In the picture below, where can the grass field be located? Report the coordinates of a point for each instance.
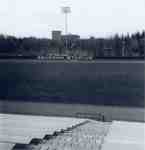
(117, 83)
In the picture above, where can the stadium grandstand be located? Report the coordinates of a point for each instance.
(27, 132)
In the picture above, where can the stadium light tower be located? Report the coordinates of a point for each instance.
(66, 10)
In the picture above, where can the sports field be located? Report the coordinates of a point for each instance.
(115, 83)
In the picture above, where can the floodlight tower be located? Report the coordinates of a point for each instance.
(66, 10)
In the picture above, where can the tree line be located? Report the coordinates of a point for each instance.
(116, 46)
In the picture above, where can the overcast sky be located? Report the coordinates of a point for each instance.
(99, 18)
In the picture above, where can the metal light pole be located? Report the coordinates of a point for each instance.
(66, 10)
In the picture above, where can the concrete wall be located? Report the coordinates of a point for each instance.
(70, 110)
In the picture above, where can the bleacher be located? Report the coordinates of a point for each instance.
(89, 136)
(26, 132)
